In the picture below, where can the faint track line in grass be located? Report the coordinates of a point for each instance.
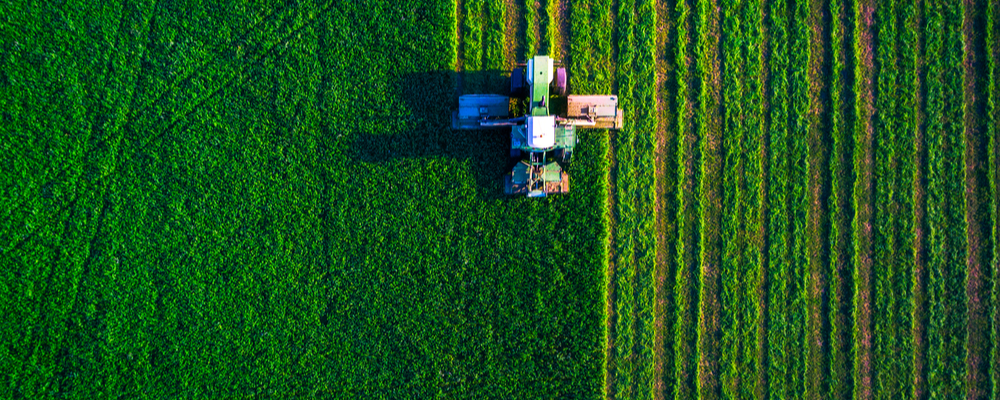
(133, 114)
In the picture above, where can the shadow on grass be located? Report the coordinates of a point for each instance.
(421, 129)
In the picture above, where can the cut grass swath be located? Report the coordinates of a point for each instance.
(976, 214)
(734, 295)
(780, 339)
(840, 206)
(685, 335)
(885, 263)
(993, 137)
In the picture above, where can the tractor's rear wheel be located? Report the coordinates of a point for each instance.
(559, 82)
(518, 86)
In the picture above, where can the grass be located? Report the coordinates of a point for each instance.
(267, 203)
(265, 200)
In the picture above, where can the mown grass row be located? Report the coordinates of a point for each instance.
(733, 276)
(799, 203)
(781, 326)
(841, 182)
(976, 215)
(993, 137)
(710, 129)
(815, 286)
(751, 368)
(946, 302)
(898, 380)
(864, 214)
(688, 155)
(634, 244)
(889, 379)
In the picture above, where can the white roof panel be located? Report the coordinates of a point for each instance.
(542, 131)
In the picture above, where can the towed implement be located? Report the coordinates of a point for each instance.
(541, 143)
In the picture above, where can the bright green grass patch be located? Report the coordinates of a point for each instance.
(265, 200)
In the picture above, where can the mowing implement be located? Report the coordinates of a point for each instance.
(541, 143)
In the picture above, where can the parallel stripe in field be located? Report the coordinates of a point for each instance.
(886, 270)
(734, 213)
(780, 327)
(898, 355)
(993, 126)
(799, 208)
(710, 129)
(815, 287)
(841, 183)
(685, 333)
(974, 108)
(863, 202)
(761, 67)
(919, 314)
(665, 192)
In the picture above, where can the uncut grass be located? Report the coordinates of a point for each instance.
(249, 224)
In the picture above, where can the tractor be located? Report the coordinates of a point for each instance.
(541, 143)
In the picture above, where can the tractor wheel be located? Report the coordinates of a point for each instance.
(517, 83)
(559, 82)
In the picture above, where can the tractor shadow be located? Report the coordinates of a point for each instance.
(421, 127)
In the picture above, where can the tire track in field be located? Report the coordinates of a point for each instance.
(133, 115)
(975, 188)
(666, 183)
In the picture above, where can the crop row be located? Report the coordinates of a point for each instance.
(686, 283)
(993, 142)
(740, 272)
(634, 244)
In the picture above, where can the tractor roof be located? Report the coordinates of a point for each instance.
(542, 131)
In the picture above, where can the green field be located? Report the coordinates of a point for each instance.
(264, 200)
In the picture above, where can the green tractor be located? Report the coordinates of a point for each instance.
(541, 144)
